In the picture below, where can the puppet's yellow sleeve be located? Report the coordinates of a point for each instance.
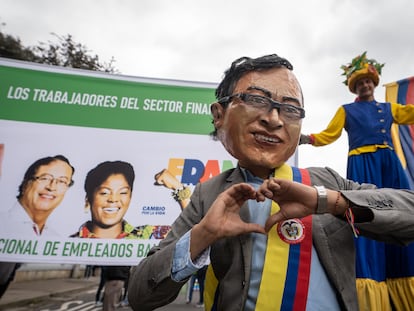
(332, 132)
(402, 114)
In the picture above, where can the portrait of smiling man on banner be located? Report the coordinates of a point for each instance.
(42, 189)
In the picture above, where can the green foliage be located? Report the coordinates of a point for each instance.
(11, 47)
(65, 52)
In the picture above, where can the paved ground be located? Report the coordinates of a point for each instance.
(21, 293)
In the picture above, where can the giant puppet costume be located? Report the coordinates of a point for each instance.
(385, 273)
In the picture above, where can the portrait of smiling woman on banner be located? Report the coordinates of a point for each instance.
(108, 189)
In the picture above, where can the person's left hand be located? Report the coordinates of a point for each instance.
(296, 200)
(223, 219)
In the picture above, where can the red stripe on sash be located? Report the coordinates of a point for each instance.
(304, 268)
(302, 284)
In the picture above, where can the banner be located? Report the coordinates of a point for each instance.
(158, 127)
(402, 92)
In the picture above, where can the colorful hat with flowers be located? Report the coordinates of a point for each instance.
(361, 67)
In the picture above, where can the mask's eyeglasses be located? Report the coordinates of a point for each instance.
(286, 111)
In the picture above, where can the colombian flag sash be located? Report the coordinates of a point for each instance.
(286, 270)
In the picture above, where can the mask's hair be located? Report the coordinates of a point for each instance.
(246, 64)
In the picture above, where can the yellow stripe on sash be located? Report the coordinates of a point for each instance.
(210, 288)
(276, 260)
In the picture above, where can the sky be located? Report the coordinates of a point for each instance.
(196, 40)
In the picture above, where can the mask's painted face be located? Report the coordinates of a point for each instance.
(260, 139)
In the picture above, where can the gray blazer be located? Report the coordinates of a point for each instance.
(151, 286)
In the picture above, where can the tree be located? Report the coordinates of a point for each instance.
(11, 47)
(68, 53)
(65, 52)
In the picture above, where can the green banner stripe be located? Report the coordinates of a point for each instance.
(80, 100)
